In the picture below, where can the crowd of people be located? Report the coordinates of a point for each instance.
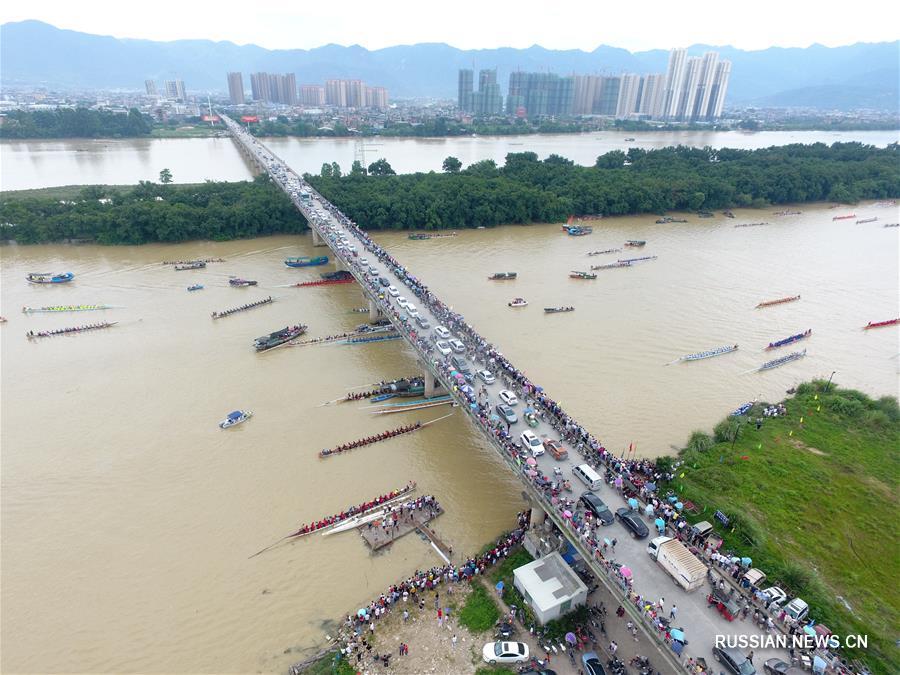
(65, 331)
(352, 511)
(235, 310)
(369, 440)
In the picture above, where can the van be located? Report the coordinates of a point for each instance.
(702, 530)
(796, 609)
(588, 476)
(754, 577)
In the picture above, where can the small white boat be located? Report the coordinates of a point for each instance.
(518, 302)
(234, 418)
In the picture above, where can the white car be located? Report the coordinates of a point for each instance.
(505, 652)
(442, 332)
(457, 346)
(776, 595)
(412, 312)
(486, 376)
(364, 262)
(508, 397)
(531, 442)
(443, 347)
(393, 292)
(403, 302)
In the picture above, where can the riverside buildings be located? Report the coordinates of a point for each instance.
(692, 89)
(282, 89)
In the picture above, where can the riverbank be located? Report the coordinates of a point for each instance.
(811, 497)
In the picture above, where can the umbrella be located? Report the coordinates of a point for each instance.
(499, 586)
(673, 499)
(454, 373)
(567, 514)
(746, 562)
(651, 487)
(678, 506)
(660, 524)
(532, 473)
(607, 541)
(571, 639)
(361, 612)
(819, 665)
(632, 503)
(618, 481)
(648, 510)
(677, 634)
(625, 572)
(531, 461)
(809, 630)
(677, 646)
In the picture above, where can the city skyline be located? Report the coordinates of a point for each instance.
(274, 24)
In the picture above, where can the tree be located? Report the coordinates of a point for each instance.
(165, 176)
(327, 170)
(613, 159)
(380, 167)
(357, 169)
(451, 165)
(336, 170)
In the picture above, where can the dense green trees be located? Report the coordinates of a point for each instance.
(451, 165)
(528, 190)
(74, 123)
(152, 212)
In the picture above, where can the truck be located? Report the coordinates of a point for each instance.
(674, 557)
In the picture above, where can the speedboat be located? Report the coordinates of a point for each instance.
(49, 278)
(195, 287)
(517, 302)
(241, 282)
(234, 418)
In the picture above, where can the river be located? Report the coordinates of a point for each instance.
(34, 164)
(128, 516)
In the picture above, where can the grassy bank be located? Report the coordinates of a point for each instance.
(187, 131)
(812, 499)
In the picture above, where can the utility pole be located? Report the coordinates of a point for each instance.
(828, 386)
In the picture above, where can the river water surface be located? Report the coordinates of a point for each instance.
(128, 516)
(34, 164)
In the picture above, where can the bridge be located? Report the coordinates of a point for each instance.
(385, 283)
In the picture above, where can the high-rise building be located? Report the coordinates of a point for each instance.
(674, 82)
(259, 86)
(488, 100)
(288, 89)
(718, 91)
(312, 95)
(585, 92)
(629, 91)
(540, 94)
(150, 88)
(175, 90)
(606, 100)
(336, 93)
(704, 85)
(689, 85)
(376, 97)
(652, 94)
(236, 88)
(465, 90)
(356, 94)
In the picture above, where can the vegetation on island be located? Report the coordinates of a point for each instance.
(812, 499)
(75, 123)
(152, 212)
(526, 189)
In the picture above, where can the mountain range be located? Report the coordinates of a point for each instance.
(863, 75)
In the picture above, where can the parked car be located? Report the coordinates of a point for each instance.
(486, 376)
(777, 596)
(734, 660)
(595, 505)
(393, 292)
(531, 443)
(457, 346)
(555, 448)
(384, 282)
(423, 322)
(442, 332)
(505, 652)
(592, 664)
(797, 609)
(402, 302)
(632, 521)
(443, 348)
(506, 413)
(779, 667)
(508, 397)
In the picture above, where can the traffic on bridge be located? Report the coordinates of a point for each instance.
(586, 502)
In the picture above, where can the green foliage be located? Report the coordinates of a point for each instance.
(451, 165)
(494, 670)
(326, 170)
(165, 176)
(357, 169)
(527, 190)
(381, 167)
(700, 441)
(726, 430)
(151, 212)
(74, 123)
(567, 623)
(814, 505)
(479, 613)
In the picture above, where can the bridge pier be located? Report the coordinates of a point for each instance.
(316, 238)
(340, 264)
(432, 386)
(375, 312)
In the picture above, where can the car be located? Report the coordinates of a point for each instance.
(373, 273)
(508, 397)
(486, 376)
(595, 505)
(384, 282)
(506, 413)
(443, 348)
(423, 322)
(442, 332)
(797, 609)
(363, 262)
(633, 522)
(777, 666)
(776, 596)
(414, 314)
(734, 660)
(457, 346)
(555, 448)
(505, 652)
(542, 671)
(532, 443)
(403, 302)
(592, 665)
(393, 292)
(461, 365)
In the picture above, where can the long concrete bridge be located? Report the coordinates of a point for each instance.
(372, 268)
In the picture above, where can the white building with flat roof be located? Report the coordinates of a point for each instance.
(550, 587)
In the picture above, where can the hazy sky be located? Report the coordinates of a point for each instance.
(473, 24)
